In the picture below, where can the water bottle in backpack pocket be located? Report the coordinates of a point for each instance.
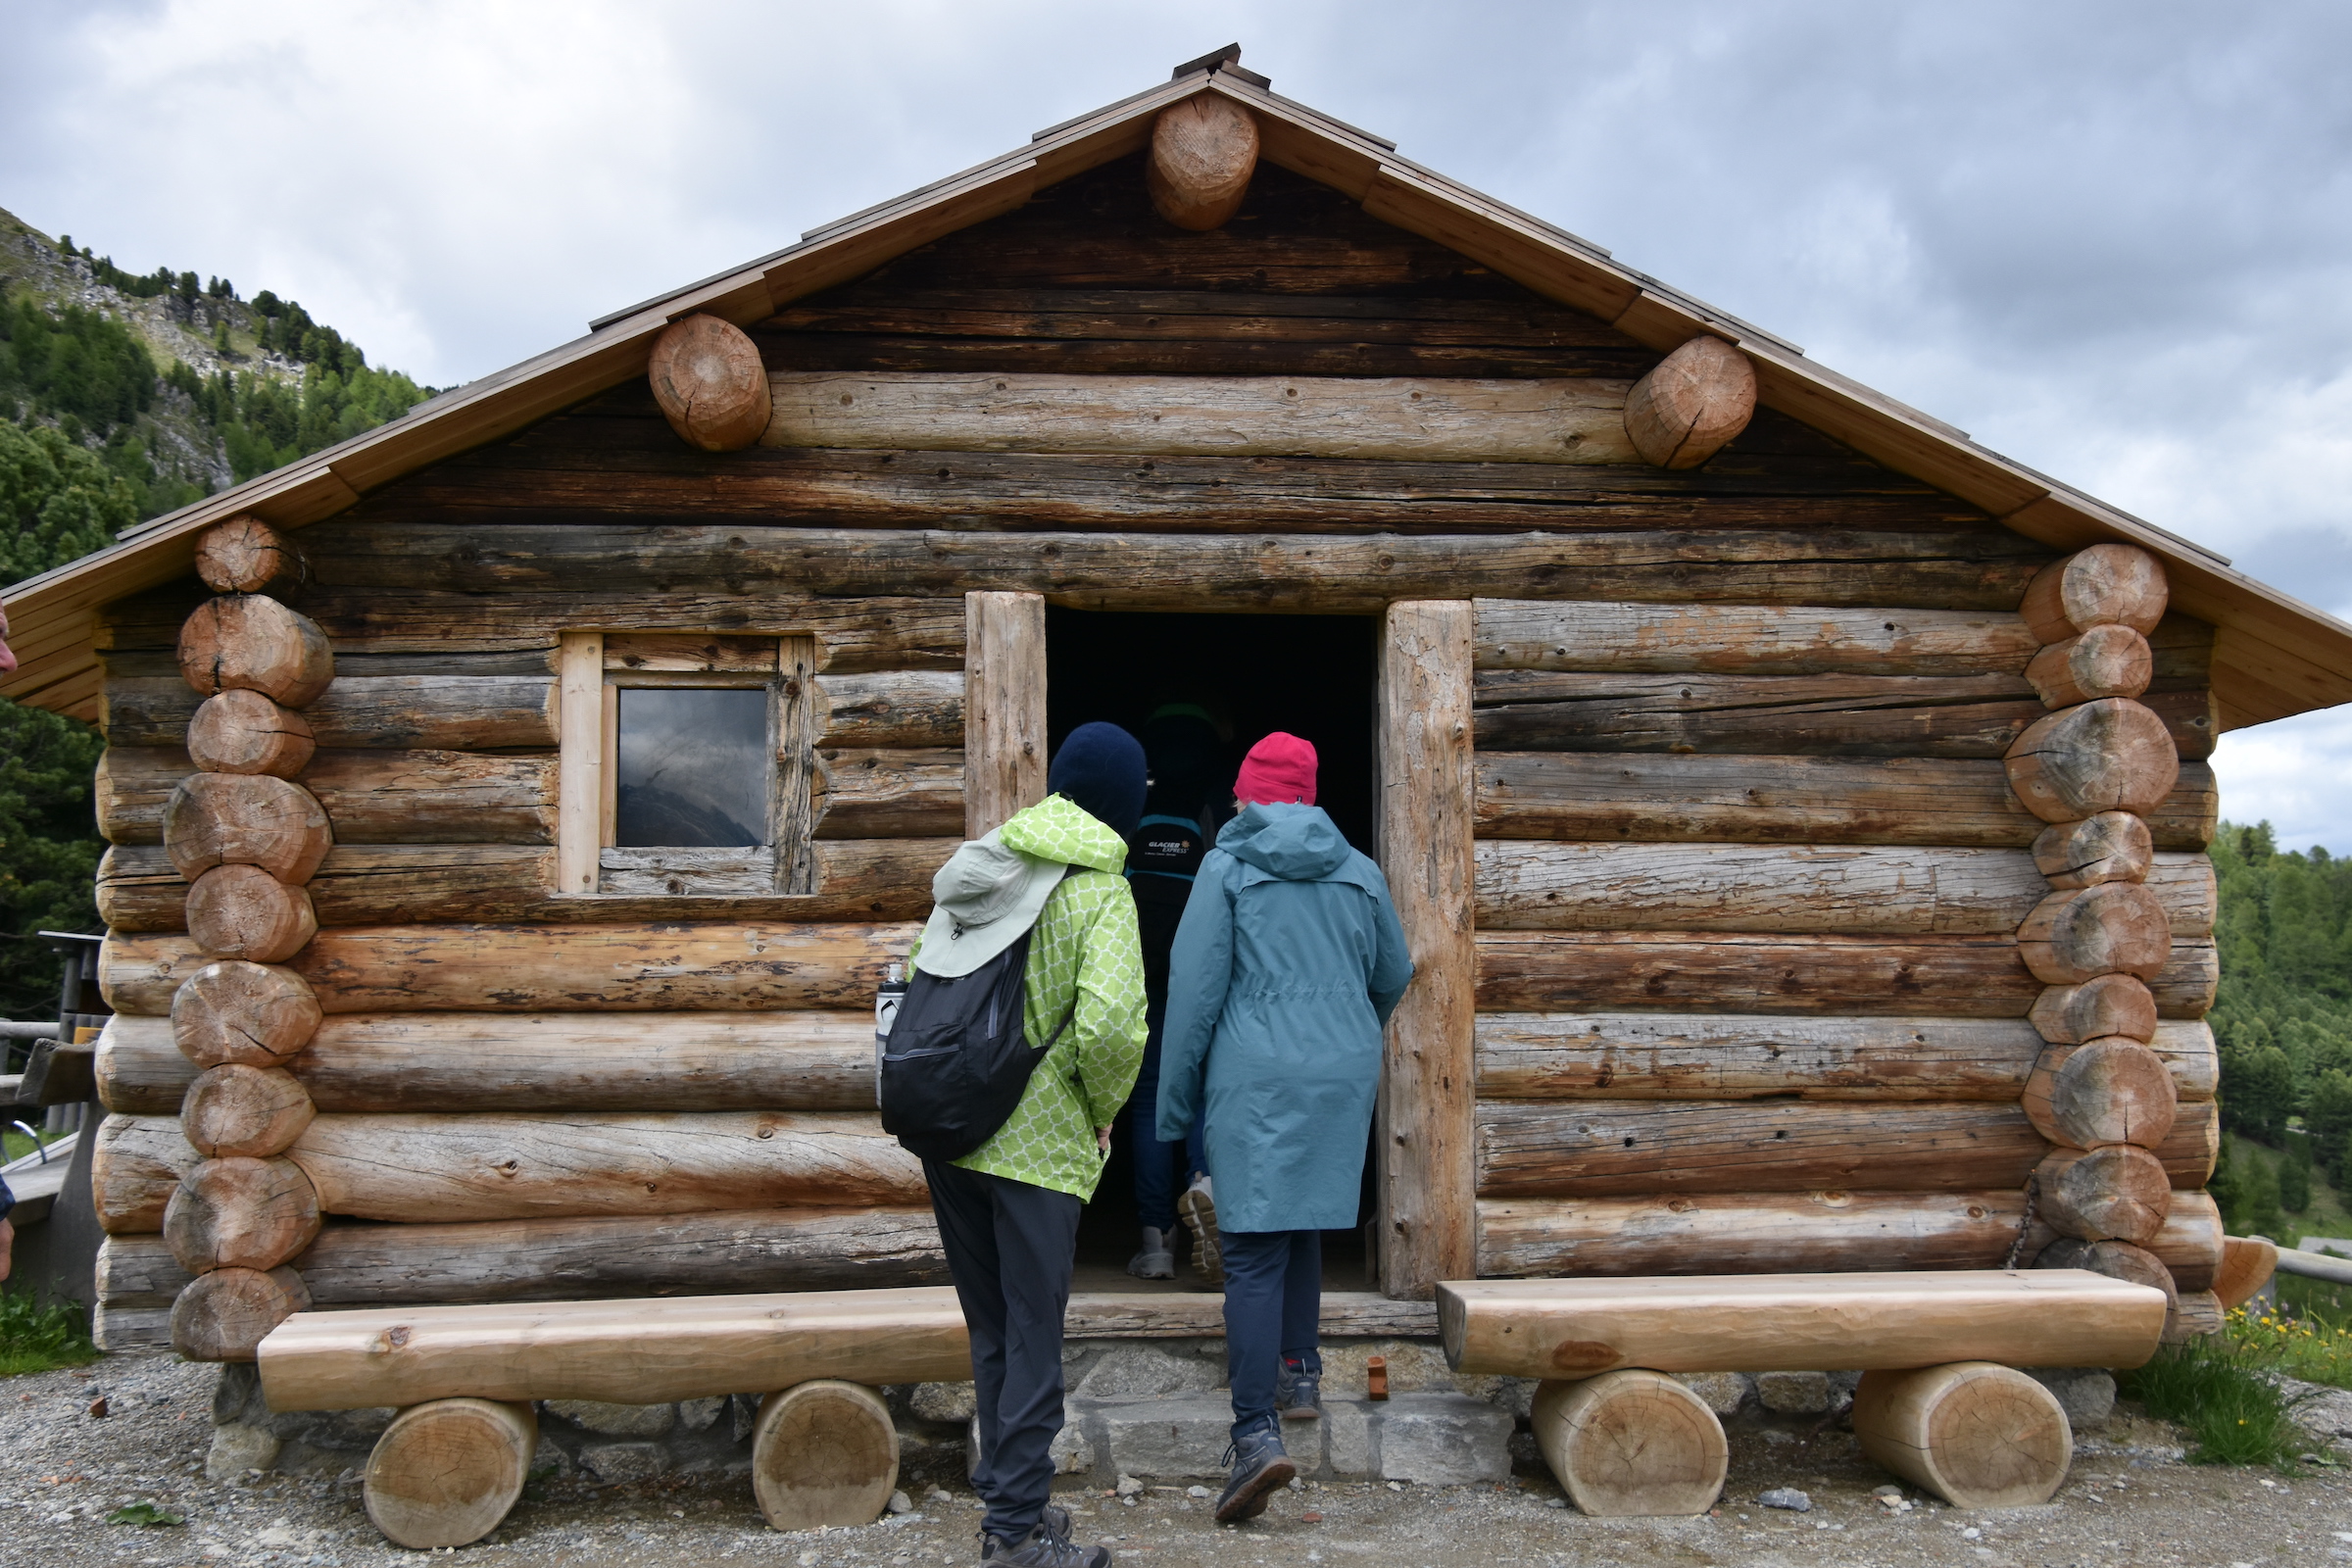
(956, 1061)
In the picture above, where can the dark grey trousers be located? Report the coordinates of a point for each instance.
(1010, 1247)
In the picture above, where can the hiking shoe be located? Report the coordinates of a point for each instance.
(1198, 1205)
(1049, 1545)
(1297, 1392)
(1154, 1259)
(1258, 1467)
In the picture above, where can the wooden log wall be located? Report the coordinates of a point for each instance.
(1736, 737)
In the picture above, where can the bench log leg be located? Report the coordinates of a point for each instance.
(1631, 1444)
(823, 1453)
(1975, 1433)
(443, 1474)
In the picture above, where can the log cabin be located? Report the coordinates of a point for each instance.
(1797, 810)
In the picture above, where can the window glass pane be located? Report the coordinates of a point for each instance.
(694, 768)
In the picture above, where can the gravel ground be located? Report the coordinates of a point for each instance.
(2128, 1501)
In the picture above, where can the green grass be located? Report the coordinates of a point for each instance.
(17, 1146)
(2217, 1388)
(41, 1336)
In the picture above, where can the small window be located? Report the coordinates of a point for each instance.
(685, 763)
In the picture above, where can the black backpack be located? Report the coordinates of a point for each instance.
(955, 1062)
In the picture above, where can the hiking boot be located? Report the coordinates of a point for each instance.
(1297, 1392)
(1154, 1259)
(1049, 1545)
(1198, 1205)
(1258, 1468)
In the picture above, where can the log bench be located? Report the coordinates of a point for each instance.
(1939, 1403)
(449, 1467)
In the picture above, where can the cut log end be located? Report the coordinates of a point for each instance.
(241, 1213)
(232, 1111)
(2113, 1193)
(248, 642)
(2106, 585)
(224, 1315)
(2110, 847)
(244, 556)
(242, 911)
(2104, 1092)
(2112, 1005)
(2103, 661)
(1631, 1445)
(1203, 151)
(2195, 1315)
(1691, 403)
(240, 1012)
(823, 1453)
(707, 377)
(445, 1474)
(2078, 934)
(244, 732)
(1977, 1434)
(2247, 1265)
(245, 819)
(2113, 754)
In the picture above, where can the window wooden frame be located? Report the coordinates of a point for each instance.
(592, 669)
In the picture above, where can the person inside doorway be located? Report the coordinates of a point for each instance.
(1286, 964)
(1182, 748)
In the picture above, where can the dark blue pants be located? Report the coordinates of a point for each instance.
(1157, 1176)
(1273, 1298)
(1009, 1247)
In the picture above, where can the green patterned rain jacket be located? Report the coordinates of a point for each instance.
(1083, 951)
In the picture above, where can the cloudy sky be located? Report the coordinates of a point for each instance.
(2111, 239)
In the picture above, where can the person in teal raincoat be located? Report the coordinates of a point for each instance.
(1286, 964)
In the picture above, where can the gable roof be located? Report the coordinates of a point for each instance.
(2274, 656)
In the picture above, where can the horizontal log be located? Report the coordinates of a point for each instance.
(2106, 585)
(1592, 1148)
(635, 1352)
(1309, 573)
(1746, 1233)
(1405, 419)
(408, 1062)
(398, 712)
(376, 884)
(1658, 1055)
(1542, 886)
(1749, 640)
(1890, 716)
(139, 1069)
(245, 819)
(895, 708)
(138, 1271)
(1786, 800)
(370, 797)
(135, 1166)
(253, 643)
(2188, 1243)
(2191, 1149)
(497, 1166)
(581, 1259)
(889, 794)
(1805, 1322)
(702, 966)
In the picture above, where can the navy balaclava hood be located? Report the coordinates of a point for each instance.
(1100, 769)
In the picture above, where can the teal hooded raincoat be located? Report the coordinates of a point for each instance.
(1288, 963)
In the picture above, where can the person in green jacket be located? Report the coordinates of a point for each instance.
(1287, 966)
(1008, 1210)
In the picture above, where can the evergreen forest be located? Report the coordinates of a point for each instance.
(98, 432)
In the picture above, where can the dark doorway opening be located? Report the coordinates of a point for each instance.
(1314, 676)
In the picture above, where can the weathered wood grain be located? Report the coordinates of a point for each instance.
(2105, 585)
(1203, 151)
(2110, 847)
(2113, 1193)
(242, 911)
(1746, 1233)
(240, 1212)
(253, 642)
(511, 1166)
(1005, 763)
(2114, 755)
(1407, 418)
(370, 797)
(135, 1166)
(245, 819)
(445, 1473)
(1427, 1230)
(241, 731)
(1691, 403)
(2077, 934)
(1817, 889)
(1748, 639)
(865, 794)
(1977, 1434)
(1630, 1444)
(244, 556)
(706, 375)
(1802, 800)
(233, 1011)
(397, 713)
(581, 1260)
(716, 965)
(2103, 661)
(2111, 1005)
(1592, 1148)
(226, 1313)
(1309, 573)
(238, 1111)
(2108, 1091)
(892, 709)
